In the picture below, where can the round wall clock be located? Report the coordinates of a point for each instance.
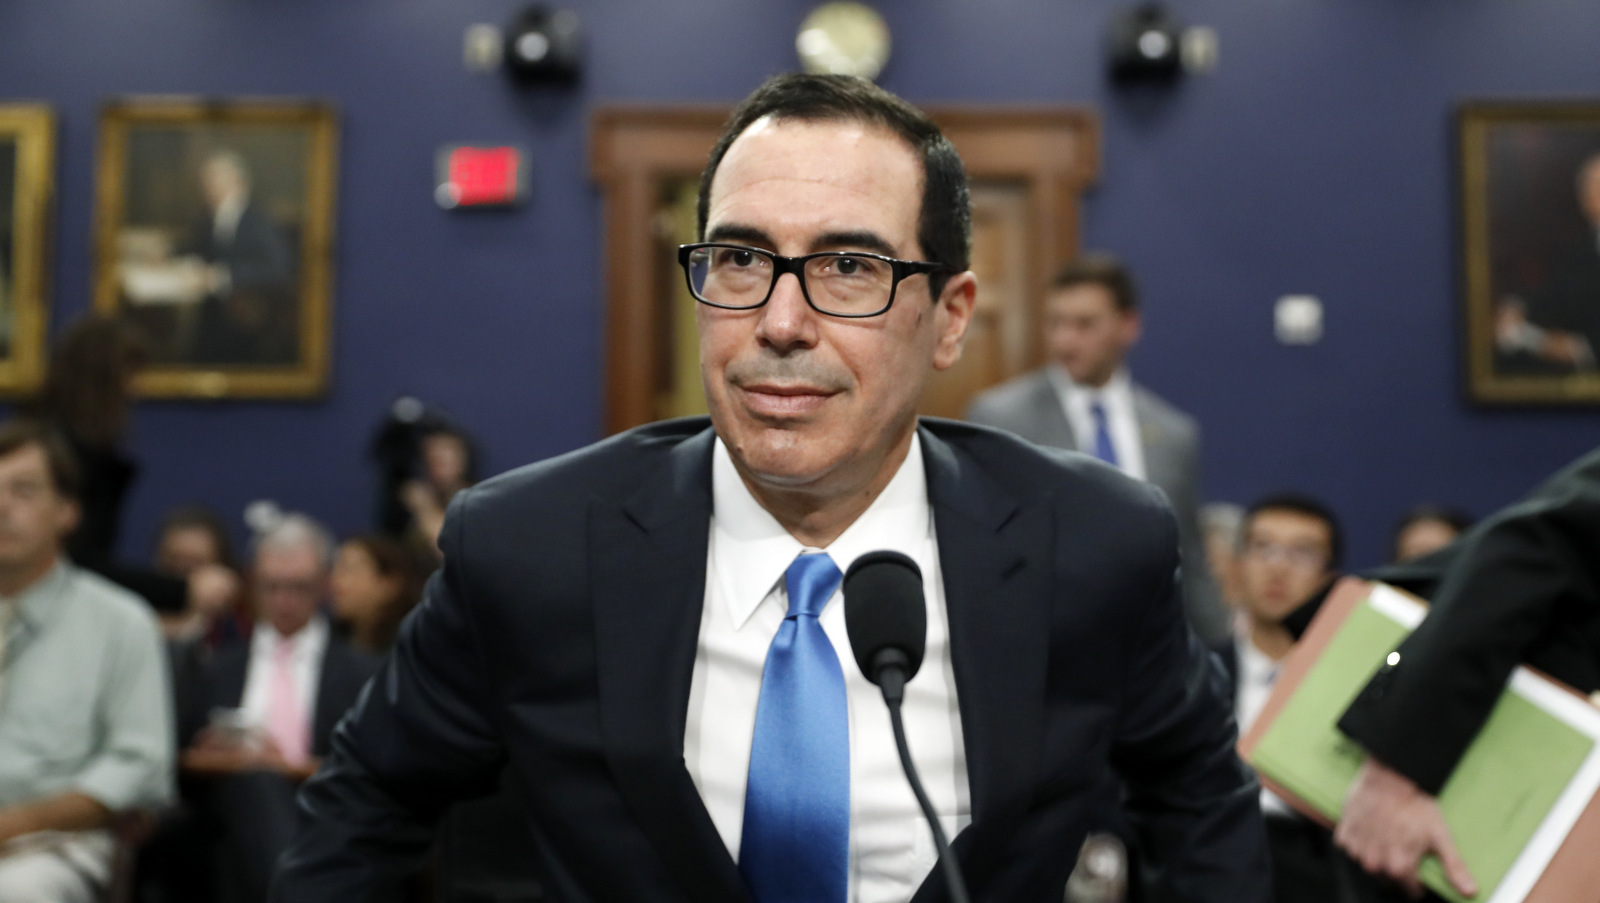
(843, 39)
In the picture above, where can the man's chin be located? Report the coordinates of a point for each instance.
(776, 458)
(781, 471)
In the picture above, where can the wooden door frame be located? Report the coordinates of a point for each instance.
(1054, 151)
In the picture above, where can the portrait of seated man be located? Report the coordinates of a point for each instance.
(1556, 327)
(216, 285)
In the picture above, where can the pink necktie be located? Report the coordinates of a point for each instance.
(286, 723)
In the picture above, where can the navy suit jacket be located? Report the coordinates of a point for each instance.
(561, 637)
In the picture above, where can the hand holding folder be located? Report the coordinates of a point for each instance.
(1389, 824)
(1521, 803)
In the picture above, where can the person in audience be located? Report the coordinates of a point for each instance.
(273, 702)
(375, 585)
(1426, 529)
(448, 465)
(86, 396)
(1519, 587)
(1084, 399)
(1290, 549)
(86, 724)
(1223, 524)
(193, 537)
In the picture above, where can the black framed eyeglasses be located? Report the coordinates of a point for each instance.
(836, 283)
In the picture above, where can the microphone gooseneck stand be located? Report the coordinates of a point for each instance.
(886, 617)
(892, 680)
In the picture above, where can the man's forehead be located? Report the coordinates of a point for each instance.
(1289, 521)
(288, 556)
(1082, 294)
(834, 151)
(29, 460)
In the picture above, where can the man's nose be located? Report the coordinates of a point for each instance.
(787, 321)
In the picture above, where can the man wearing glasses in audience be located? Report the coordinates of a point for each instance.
(650, 631)
(1290, 551)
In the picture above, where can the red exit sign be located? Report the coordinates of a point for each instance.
(480, 176)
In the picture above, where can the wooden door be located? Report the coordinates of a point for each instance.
(1028, 169)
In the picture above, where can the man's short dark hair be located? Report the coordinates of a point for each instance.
(944, 227)
(1303, 505)
(16, 435)
(1104, 270)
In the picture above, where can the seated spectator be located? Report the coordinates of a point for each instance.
(191, 536)
(273, 702)
(85, 731)
(1426, 529)
(1221, 523)
(375, 585)
(448, 465)
(1290, 549)
(194, 545)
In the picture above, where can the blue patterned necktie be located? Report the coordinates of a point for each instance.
(796, 842)
(1103, 449)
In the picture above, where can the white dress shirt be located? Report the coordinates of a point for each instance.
(1257, 674)
(305, 665)
(1121, 421)
(225, 222)
(891, 847)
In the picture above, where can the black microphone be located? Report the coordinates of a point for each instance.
(887, 621)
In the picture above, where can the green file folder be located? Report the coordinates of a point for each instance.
(1527, 756)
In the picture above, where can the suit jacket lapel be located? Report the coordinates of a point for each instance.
(1159, 466)
(995, 558)
(648, 564)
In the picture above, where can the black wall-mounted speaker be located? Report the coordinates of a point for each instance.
(1143, 45)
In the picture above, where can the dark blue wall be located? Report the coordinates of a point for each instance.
(1316, 159)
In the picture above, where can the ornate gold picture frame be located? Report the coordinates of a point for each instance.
(27, 185)
(1530, 202)
(214, 233)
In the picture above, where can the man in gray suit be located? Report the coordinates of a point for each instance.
(1084, 400)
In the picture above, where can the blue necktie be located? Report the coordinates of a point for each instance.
(1103, 449)
(796, 843)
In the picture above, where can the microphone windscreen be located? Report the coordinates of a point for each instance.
(884, 608)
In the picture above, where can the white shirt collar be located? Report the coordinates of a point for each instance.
(753, 550)
(1118, 387)
(1255, 668)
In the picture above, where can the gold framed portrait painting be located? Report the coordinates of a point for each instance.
(214, 231)
(1530, 202)
(27, 182)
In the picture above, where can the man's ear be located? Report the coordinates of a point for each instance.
(953, 316)
(67, 518)
(1132, 327)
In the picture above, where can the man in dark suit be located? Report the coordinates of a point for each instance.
(248, 316)
(276, 697)
(1522, 586)
(649, 630)
(1085, 400)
